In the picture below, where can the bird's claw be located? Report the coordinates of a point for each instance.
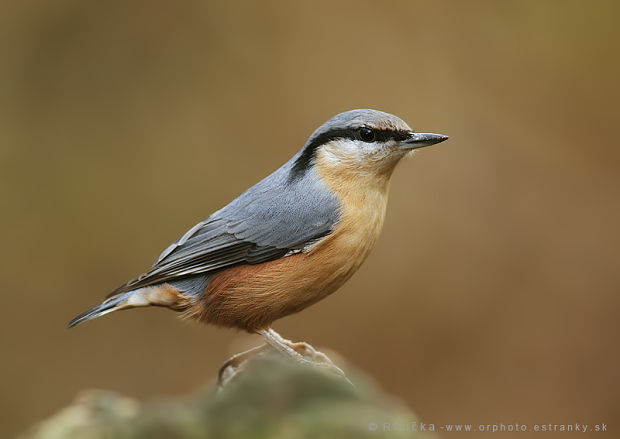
(301, 352)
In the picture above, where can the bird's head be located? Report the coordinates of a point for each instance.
(362, 142)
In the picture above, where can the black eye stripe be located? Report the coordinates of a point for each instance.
(305, 159)
(383, 135)
(380, 135)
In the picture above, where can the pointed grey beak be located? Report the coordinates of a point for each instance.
(420, 140)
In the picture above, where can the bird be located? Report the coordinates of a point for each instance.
(287, 242)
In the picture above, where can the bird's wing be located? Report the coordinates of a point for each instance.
(267, 222)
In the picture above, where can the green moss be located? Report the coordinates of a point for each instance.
(272, 398)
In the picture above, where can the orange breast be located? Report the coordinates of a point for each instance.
(251, 297)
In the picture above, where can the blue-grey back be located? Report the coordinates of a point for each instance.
(276, 217)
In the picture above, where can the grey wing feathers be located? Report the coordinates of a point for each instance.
(268, 221)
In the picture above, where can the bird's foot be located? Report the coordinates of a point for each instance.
(302, 348)
(302, 353)
(236, 363)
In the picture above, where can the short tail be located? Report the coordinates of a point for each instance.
(112, 304)
(176, 295)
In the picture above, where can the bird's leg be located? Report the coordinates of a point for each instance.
(302, 348)
(299, 352)
(280, 344)
(234, 364)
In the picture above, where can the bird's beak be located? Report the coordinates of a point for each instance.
(420, 140)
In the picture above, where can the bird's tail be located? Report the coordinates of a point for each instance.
(159, 295)
(114, 303)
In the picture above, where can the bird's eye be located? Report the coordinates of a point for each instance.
(367, 135)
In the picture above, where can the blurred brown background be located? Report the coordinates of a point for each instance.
(492, 295)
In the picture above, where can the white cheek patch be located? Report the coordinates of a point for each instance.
(347, 150)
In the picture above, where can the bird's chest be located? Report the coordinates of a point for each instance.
(362, 193)
(342, 252)
(333, 260)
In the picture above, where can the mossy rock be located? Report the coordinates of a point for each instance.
(273, 398)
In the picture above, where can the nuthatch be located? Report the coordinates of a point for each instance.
(287, 242)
